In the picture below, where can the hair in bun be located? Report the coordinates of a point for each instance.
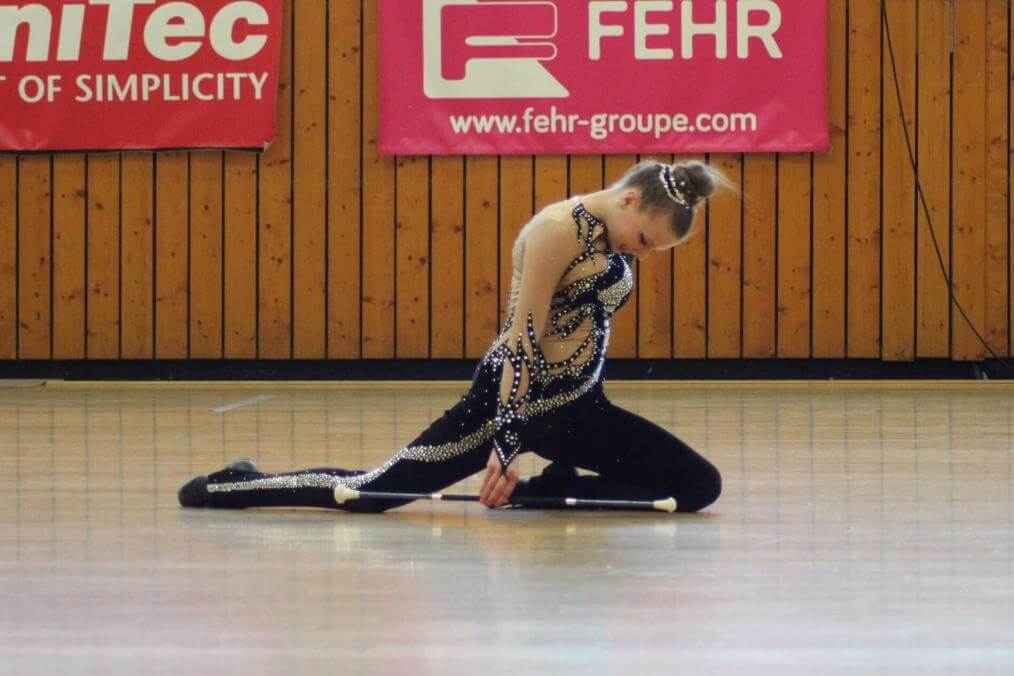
(680, 188)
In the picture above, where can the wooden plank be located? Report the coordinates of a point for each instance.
(274, 255)
(997, 187)
(447, 328)
(690, 284)
(968, 235)
(585, 174)
(725, 264)
(69, 207)
(623, 341)
(345, 149)
(550, 180)
(34, 191)
(516, 209)
(759, 214)
(103, 258)
(412, 266)
(933, 297)
(137, 183)
(378, 211)
(898, 187)
(206, 255)
(482, 206)
(172, 177)
(828, 333)
(863, 276)
(8, 257)
(310, 91)
(240, 256)
(794, 191)
(654, 307)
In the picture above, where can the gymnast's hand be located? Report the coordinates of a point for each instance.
(497, 487)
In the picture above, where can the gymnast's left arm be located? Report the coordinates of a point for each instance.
(550, 247)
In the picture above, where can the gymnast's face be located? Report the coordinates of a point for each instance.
(638, 232)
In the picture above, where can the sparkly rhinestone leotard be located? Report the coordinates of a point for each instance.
(558, 410)
(568, 360)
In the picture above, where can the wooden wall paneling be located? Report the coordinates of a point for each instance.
(345, 148)
(863, 275)
(759, 223)
(103, 257)
(482, 254)
(274, 255)
(1010, 224)
(794, 239)
(933, 144)
(69, 207)
(517, 195)
(829, 181)
(412, 267)
(447, 260)
(240, 256)
(309, 168)
(34, 193)
(690, 283)
(997, 145)
(968, 237)
(8, 257)
(137, 191)
(584, 174)
(898, 187)
(550, 180)
(378, 211)
(206, 255)
(623, 341)
(654, 307)
(725, 263)
(172, 224)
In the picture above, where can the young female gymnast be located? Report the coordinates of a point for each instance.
(539, 386)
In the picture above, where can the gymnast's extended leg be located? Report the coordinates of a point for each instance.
(453, 447)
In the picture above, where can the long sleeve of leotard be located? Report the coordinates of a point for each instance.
(550, 247)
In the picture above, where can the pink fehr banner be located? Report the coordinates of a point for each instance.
(611, 76)
(138, 74)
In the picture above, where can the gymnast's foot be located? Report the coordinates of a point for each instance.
(194, 493)
(545, 484)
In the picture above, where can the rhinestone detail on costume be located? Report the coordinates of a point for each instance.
(595, 297)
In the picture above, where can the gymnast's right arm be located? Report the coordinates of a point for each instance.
(549, 249)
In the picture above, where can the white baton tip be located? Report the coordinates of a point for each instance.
(667, 505)
(343, 493)
(436, 496)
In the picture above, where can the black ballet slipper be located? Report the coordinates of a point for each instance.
(558, 469)
(194, 493)
(243, 465)
(547, 484)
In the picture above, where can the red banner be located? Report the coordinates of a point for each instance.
(138, 74)
(602, 76)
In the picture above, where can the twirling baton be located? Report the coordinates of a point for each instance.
(343, 493)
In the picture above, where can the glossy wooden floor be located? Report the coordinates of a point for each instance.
(863, 528)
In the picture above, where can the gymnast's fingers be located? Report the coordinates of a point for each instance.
(498, 489)
(492, 471)
(505, 484)
(512, 480)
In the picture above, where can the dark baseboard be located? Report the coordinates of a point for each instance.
(462, 369)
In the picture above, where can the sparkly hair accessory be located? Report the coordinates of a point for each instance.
(678, 193)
